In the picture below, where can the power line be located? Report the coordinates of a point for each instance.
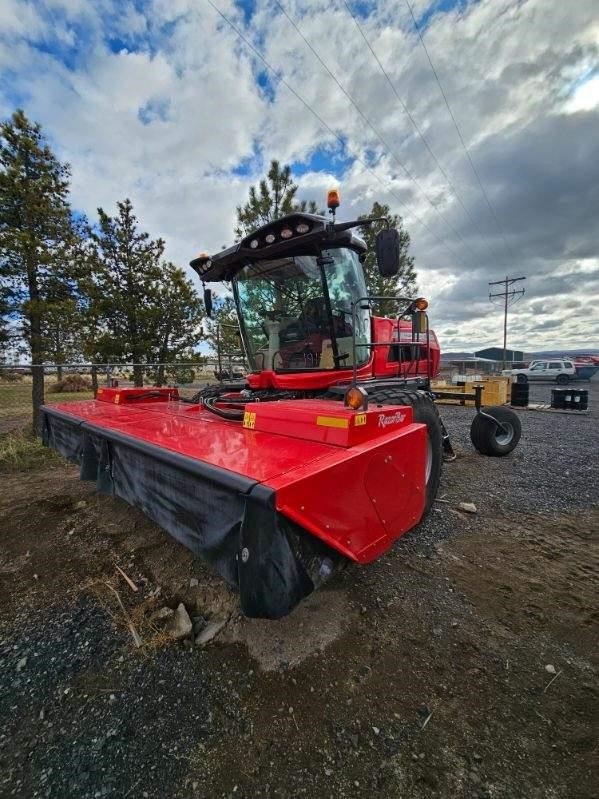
(327, 127)
(379, 135)
(406, 111)
(456, 126)
(509, 296)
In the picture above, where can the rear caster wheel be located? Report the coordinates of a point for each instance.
(490, 438)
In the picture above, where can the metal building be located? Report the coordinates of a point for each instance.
(496, 354)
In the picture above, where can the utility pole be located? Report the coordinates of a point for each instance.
(507, 297)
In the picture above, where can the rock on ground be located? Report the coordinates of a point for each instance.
(179, 626)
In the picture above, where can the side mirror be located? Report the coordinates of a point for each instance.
(208, 302)
(387, 252)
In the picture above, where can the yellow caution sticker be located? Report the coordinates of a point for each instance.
(332, 421)
(360, 419)
(249, 420)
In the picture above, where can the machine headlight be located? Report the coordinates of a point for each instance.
(270, 238)
(254, 243)
(286, 233)
(302, 228)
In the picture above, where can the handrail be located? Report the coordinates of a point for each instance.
(410, 306)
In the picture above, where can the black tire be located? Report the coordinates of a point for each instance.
(489, 439)
(521, 379)
(562, 380)
(425, 411)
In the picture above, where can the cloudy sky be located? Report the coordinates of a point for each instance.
(161, 101)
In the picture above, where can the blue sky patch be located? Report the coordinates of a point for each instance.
(248, 7)
(322, 160)
(438, 7)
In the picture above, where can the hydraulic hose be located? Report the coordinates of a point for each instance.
(231, 415)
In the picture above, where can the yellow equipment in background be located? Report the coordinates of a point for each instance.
(496, 391)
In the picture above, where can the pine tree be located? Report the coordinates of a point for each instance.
(35, 222)
(141, 309)
(4, 329)
(405, 282)
(126, 284)
(272, 198)
(178, 320)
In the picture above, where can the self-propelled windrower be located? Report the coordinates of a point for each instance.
(329, 452)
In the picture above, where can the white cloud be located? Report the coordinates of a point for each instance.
(167, 117)
(585, 96)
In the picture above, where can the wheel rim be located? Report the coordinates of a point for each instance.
(429, 460)
(505, 436)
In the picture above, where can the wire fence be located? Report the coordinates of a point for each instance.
(19, 393)
(472, 369)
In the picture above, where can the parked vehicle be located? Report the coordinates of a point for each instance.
(560, 372)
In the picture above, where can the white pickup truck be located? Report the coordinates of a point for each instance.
(559, 371)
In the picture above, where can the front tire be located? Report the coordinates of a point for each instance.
(490, 439)
(424, 411)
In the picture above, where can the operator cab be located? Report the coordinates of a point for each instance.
(296, 311)
(300, 292)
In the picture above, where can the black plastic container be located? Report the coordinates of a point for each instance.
(519, 395)
(559, 397)
(571, 399)
(579, 399)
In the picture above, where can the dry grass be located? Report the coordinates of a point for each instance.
(152, 637)
(22, 451)
(70, 384)
(15, 399)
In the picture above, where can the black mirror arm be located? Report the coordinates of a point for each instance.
(361, 223)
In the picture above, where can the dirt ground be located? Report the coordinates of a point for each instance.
(463, 663)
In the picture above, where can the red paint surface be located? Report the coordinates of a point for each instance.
(358, 498)
(119, 395)
(383, 330)
(318, 420)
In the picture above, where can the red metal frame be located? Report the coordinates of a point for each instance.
(354, 479)
(378, 366)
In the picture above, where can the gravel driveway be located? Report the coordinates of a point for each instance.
(461, 664)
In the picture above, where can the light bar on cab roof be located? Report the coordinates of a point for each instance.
(282, 230)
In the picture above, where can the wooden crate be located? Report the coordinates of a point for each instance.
(496, 391)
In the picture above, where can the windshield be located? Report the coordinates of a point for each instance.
(296, 311)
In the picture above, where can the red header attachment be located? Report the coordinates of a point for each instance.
(325, 421)
(125, 396)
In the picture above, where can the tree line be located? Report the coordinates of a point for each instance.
(75, 290)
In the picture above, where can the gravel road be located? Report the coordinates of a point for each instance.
(425, 674)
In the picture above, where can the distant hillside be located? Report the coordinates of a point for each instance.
(528, 356)
(557, 353)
